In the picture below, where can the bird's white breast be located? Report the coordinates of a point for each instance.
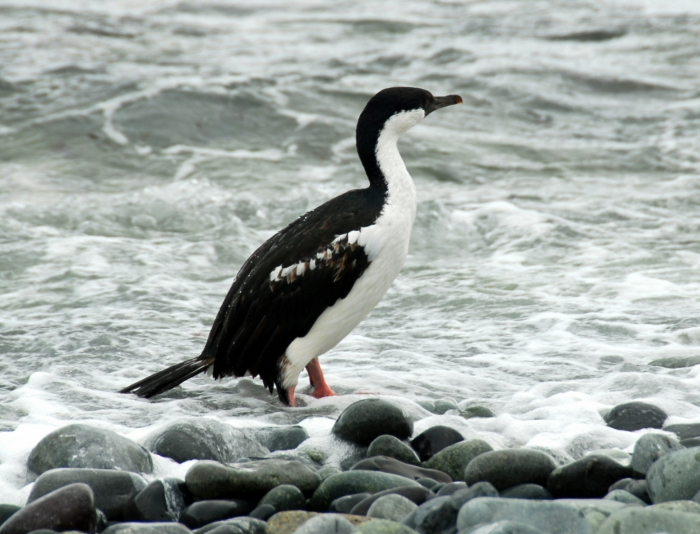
(386, 244)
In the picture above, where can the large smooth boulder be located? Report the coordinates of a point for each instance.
(510, 467)
(352, 482)
(636, 520)
(112, 489)
(364, 421)
(88, 447)
(635, 415)
(250, 480)
(649, 448)
(205, 439)
(589, 477)
(395, 467)
(454, 459)
(433, 440)
(548, 516)
(675, 476)
(71, 507)
(392, 447)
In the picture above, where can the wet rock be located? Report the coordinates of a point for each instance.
(288, 522)
(366, 420)
(429, 482)
(393, 448)
(344, 505)
(281, 438)
(684, 431)
(651, 447)
(440, 406)
(71, 507)
(382, 526)
(635, 520)
(433, 440)
(204, 512)
(547, 516)
(533, 492)
(417, 495)
(638, 488)
(161, 500)
(452, 487)
(327, 471)
(678, 362)
(454, 459)
(6, 511)
(250, 480)
(204, 439)
(355, 482)
(625, 497)
(239, 525)
(476, 411)
(589, 477)
(510, 467)
(689, 507)
(506, 527)
(89, 447)
(285, 497)
(675, 476)
(595, 510)
(112, 489)
(635, 415)
(439, 515)
(263, 512)
(395, 467)
(146, 528)
(391, 507)
(326, 524)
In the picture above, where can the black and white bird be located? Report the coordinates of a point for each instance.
(309, 285)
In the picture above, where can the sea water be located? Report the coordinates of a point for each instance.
(147, 148)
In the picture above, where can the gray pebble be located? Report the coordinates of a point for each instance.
(649, 448)
(625, 497)
(326, 524)
(675, 476)
(391, 507)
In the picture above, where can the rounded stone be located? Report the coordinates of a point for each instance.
(510, 467)
(326, 524)
(204, 439)
(238, 525)
(638, 488)
(433, 440)
(391, 507)
(382, 526)
(476, 411)
(506, 527)
(284, 497)
(161, 500)
(689, 507)
(352, 482)
(395, 467)
(112, 489)
(651, 447)
(637, 520)
(344, 505)
(147, 528)
(250, 480)
(366, 420)
(533, 492)
(281, 438)
(7, 510)
(70, 507)
(327, 471)
(392, 447)
(635, 415)
(675, 476)
(202, 513)
(589, 477)
(83, 446)
(416, 494)
(263, 512)
(684, 431)
(551, 517)
(452, 487)
(454, 459)
(625, 497)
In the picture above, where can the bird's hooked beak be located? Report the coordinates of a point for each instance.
(442, 102)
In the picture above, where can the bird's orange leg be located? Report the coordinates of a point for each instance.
(321, 388)
(291, 397)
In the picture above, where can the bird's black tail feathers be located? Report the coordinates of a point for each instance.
(168, 378)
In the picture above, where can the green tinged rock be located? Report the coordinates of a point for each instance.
(392, 447)
(355, 482)
(454, 459)
(211, 480)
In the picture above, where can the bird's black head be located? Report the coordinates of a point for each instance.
(392, 112)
